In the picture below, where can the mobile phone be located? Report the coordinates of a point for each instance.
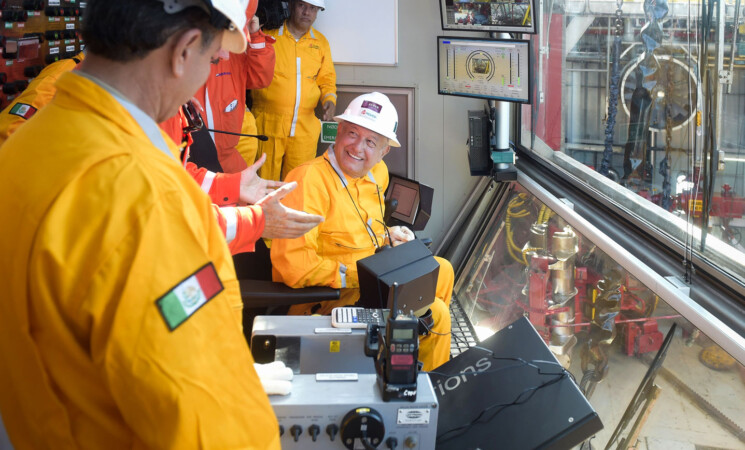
(354, 317)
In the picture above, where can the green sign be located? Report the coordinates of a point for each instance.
(328, 132)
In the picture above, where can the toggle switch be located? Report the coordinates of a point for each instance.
(332, 430)
(296, 431)
(313, 430)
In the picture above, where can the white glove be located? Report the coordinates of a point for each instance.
(275, 377)
(400, 235)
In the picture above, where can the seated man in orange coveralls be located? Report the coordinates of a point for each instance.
(346, 185)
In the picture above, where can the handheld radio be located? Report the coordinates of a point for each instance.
(402, 349)
(397, 360)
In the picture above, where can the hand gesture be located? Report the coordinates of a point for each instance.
(281, 222)
(253, 187)
(253, 25)
(329, 109)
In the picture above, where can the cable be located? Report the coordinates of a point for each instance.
(260, 137)
(369, 230)
(382, 214)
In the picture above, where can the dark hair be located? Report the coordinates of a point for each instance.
(126, 30)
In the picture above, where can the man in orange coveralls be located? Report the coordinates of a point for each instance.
(303, 78)
(345, 185)
(120, 320)
(242, 226)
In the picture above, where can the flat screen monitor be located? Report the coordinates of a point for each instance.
(492, 69)
(411, 265)
(406, 193)
(490, 15)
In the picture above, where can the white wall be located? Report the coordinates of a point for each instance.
(441, 124)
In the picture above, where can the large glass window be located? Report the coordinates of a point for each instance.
(606, 327)
(645, 103)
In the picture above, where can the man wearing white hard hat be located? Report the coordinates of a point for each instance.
(120, 325)
(346, 186)
(304, 76)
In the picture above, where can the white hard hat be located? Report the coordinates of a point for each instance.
(320, 3)
(376, 113)
(224, 14)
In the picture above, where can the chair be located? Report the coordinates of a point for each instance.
(262, 296)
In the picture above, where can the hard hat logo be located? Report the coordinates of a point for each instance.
(375, 112)
(371, 105)
(369, 114)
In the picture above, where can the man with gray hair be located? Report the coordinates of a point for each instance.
(346, 186)
(120, 325)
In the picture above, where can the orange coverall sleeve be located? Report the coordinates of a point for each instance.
(36, 96)
(223, 188)
(261, 59)
(327, 74)
(241, 225)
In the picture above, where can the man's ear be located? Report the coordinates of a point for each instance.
(387, 149)
(185, 46)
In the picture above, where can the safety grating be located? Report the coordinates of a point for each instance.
(463, 335)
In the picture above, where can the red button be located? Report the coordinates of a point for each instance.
(402, 360)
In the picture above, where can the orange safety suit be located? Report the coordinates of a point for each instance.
(38, 93)
(248, 146)
(223, 96)
(303, 76)
(328, 254)
(120, 322)
(242, 227)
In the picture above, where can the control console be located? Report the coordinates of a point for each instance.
(342, 414)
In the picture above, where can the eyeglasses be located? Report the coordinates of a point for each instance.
(193, 119)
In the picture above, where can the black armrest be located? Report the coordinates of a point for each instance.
(262, 294)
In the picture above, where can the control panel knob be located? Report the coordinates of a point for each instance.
(313, 430)
(332, 430)
(411, 442)
(391, 443)
(281, 430)
(296, 431)
(364, 425)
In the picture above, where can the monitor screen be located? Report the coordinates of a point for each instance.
(488, 15)
(406, 192)
(492, 69)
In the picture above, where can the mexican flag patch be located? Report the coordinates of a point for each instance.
(188, 296)
(23, 110)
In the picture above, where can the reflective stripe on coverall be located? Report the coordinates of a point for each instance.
(327, 255)
(223, 96)
(303, 76)
(105, 225)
